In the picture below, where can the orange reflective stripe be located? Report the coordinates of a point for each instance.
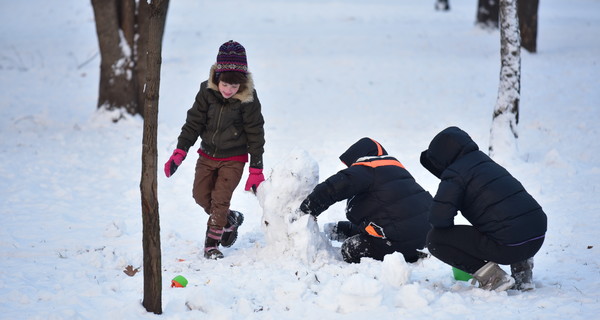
(379, 148)
(379, 163)
(370, 230)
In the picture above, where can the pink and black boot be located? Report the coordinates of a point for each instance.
(211, 243)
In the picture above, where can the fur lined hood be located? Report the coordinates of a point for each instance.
(245, 96)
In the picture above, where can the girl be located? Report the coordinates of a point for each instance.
(227, 117)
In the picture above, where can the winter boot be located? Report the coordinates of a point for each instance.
(211, 244)
(492, 277)
(340, 231)
(230, 233)
(522, 271)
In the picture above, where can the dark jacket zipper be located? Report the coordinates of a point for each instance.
(217, 129)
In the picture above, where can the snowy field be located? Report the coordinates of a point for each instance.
(327, 73)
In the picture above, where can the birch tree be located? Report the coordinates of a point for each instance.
(504, 134)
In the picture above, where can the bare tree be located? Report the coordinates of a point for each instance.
(528, 22)
(442, 5)
(148, 185)
(527, 10)
(122, 29)
(487, 13)
(487, 17)
(503, 134)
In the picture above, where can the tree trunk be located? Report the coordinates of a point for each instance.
(122, 29)
(487, 13)
(503, 134)
(116, 65)
(148, 185)
(140, 50)
(443, 5)
(528, 22)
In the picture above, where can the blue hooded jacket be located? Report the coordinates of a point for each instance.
(486, 194)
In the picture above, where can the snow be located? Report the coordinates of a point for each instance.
(328, 73)
(288, 231)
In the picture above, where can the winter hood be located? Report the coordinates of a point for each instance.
(245, 96)
(445, 148)
(362, 148)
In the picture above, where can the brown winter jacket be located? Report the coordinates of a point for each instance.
(226, 127)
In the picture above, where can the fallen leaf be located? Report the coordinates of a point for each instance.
(130, 271)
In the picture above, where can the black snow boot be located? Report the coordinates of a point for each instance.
(211, 243)
(230, 233)
(522, 271)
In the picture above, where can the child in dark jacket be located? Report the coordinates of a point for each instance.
(386, 208)
(507, 224)
(227, 116)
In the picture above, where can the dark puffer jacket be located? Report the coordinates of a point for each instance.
(227, 127)
(489, 197)
(379, 190)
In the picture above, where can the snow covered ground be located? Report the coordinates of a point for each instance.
(327, 73)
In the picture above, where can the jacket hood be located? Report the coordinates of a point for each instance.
(245, 96)
(362, 148)
(445, 148)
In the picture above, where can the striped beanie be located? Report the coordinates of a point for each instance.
(231, 57)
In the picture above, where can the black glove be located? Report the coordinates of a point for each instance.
(314, 204)
(305, 206)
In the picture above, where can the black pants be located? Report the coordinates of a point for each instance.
(359, 245)
(465, 248)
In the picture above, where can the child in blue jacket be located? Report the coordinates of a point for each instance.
(507, 225)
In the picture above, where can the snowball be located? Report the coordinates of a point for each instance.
(395, 270)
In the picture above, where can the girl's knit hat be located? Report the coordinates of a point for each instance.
(231, 57)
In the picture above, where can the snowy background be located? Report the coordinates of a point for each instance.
(327, 73)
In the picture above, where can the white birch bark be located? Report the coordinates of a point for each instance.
(504, 134)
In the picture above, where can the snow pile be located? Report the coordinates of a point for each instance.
(287, 230)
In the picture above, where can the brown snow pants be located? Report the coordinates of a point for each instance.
(214, 184)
